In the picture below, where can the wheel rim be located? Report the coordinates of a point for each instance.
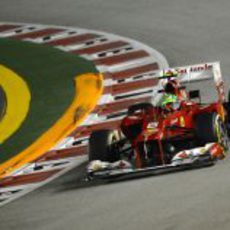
(113, 148)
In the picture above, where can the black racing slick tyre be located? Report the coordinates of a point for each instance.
(227, 109)
(211, 128)
(139, 107)
(102, 146)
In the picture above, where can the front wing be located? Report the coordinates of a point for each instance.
(185, 160)
(124, 174)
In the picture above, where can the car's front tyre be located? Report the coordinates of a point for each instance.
(102, 146)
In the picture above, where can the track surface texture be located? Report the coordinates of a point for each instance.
(186, 32)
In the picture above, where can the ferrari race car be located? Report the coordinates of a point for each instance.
(178, 132)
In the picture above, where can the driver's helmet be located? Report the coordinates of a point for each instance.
(171, 87)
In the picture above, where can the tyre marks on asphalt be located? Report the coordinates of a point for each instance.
(129, 69)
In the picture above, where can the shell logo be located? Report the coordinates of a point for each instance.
(15, 102)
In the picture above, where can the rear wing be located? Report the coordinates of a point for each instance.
(199, 72)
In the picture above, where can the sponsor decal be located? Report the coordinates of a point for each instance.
(196, 68)
(152, 125)
(151, 128)
(174, 121)
(175, 72)
(182, 122)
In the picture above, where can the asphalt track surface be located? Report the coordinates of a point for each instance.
(186, 32)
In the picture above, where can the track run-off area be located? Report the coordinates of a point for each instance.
(186, 32)
(127, 76)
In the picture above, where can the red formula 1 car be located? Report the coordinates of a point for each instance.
(178, 132)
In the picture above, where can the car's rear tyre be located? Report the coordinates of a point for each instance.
(211, 128)
(227, 109)
(145, 106)
(102, 146)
